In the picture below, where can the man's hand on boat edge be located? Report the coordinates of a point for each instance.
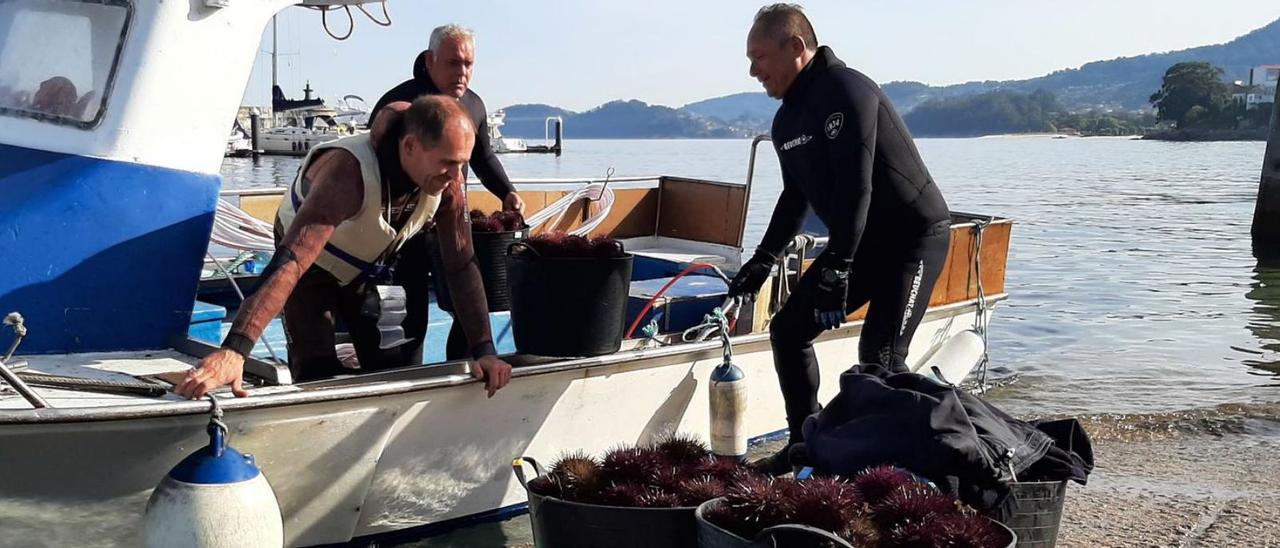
(493, 371)
(220, 368)
(225, 366)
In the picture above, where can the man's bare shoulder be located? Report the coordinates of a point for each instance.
(335, 183)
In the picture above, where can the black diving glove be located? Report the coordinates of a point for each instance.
(752, 276)
(829, 298)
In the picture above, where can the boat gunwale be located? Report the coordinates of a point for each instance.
(369, 385)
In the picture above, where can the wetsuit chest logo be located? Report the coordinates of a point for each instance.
(796, 142)
(834, 124)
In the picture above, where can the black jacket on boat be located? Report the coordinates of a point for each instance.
(847, 154)
(956, 440)
(484, 161)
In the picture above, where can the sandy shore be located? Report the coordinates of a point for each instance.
(1177, 489)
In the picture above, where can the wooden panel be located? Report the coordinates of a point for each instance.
(701, 211)
(261, 207)
(957, 282)
(962, 283)
(635, 213)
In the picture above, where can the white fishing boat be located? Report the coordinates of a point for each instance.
(238, 143)
(502, 145)
(348, 457)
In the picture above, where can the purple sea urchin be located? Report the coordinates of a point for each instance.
(629, 464)
(699, 490)
(623, 494)
(874, 484)
(758, 502)
(726, 470)
(912, 504)
(657, 498)
(578, 475)
(545, 486)
(682, 449)
(667, 478)
(968, 531)
(828, 503)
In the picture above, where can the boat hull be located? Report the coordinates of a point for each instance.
(351, 465)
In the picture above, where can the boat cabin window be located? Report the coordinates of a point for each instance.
(58, 58)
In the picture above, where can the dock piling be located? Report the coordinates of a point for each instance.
(1266, 212)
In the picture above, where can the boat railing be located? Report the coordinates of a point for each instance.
(651, 180)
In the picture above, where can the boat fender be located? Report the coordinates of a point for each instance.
(216, 497)
(728, 391)
(956, 358)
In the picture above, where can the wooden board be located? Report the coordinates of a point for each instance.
(262, 208)
(701, 211)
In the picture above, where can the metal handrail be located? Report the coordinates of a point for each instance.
(751, 174)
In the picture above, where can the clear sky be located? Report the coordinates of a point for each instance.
(578, 54)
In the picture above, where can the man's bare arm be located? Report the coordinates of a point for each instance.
(335, 193)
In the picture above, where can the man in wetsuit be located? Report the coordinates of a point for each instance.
(445, 69)
(846, 154)
(344, 221)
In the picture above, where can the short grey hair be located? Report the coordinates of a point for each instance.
(782, 21)
(450, 31)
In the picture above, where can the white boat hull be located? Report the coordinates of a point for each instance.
(355, 466)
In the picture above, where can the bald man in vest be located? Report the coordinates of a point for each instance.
(339, 232)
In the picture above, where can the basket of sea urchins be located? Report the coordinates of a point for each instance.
(633, 495)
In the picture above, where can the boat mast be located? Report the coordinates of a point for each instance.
(273, 54)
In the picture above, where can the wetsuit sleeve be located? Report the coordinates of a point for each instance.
(334, 194)
(462, 271)
(788, 216)
(851, 154)
(484, 161)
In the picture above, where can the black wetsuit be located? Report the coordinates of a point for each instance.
(847, 154)
(484, 163)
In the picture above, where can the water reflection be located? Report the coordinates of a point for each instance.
(1264, 322)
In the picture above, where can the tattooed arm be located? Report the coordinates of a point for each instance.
(334, 192)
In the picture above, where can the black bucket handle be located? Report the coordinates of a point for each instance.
(768, 537)
(517, 465)
(622, 250)
(511, 249)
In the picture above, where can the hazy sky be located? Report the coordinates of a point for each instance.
(578, 54)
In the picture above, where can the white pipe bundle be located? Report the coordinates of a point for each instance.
(235, 229)
(597, 192)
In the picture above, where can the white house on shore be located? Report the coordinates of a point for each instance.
(1262, 80)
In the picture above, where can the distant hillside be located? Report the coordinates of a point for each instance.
(1119, 84)
(1122, 83)
(619, 120)
(527, 121)
(749, 110)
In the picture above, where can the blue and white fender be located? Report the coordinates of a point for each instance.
(216, 497)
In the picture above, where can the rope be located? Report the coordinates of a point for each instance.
(980, 323)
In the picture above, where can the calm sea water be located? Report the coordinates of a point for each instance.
(1132, 284)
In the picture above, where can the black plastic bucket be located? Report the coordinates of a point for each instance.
(1039, 512)
(491, 257)
(559, 523)
(567, 307)
(711, 535)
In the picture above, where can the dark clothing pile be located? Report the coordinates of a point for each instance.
(962, 444)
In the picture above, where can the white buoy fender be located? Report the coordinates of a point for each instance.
(956, 358)
(728, 390)
(216, 497)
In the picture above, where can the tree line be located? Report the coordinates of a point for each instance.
(1193, 95)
